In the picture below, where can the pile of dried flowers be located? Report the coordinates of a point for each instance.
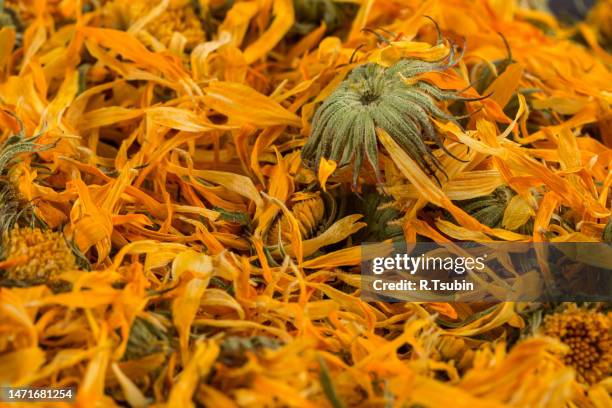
(184, 187)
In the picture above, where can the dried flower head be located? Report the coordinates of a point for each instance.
(373, 96)
(179, 17)
(34, 254)
(380, 215)
(489, 209)
(308, 210)
(587, 334)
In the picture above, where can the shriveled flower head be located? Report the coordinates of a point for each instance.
(489, 209)
(587, 334)
(308, 210)
(392, 98)
(179, 17)
(33, 254)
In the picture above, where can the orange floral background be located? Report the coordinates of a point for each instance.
(165, 244)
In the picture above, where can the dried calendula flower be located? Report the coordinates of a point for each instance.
(394, 99)
(490, 209)
(587, 333)
(380, 215)
(32, 254)
(308, 210)
(179, 17)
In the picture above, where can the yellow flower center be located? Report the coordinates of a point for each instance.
(36, 254)
(178, 17)
(588, 336)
